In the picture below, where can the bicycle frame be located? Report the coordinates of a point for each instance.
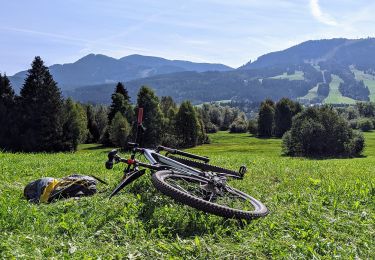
(156, 161)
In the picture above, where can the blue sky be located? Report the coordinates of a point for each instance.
(219, 31)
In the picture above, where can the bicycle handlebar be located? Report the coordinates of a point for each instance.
(114, 158)
(133, 145)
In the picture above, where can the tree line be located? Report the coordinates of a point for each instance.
(318, 131)
(274, 119)
(40, 119)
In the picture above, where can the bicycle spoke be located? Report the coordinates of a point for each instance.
(178, 186)
(225, 196)
(211, 196)
(188, 187)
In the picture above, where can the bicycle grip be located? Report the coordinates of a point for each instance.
(109, 165)
(112, 154)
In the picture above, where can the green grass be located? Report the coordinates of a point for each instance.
(335, 96)
(313, 93)
(298, 75)
(318, 208)
(368, 80)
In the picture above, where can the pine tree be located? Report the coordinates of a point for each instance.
(7, 113)
(6, 91)
(187, 125)
(152, 116)
(41, 110)
(121, 103)
(120, 88)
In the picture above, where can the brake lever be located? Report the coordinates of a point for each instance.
(112, 156)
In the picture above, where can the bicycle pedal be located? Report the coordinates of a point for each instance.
(242, 170)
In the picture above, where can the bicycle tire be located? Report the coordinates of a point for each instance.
(159, 181)
(206, 166)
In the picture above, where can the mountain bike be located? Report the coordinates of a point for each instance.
(195, 183)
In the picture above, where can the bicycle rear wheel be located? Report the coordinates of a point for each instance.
(192, 190)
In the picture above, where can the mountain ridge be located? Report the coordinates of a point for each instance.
(303, 72)
(100, 69)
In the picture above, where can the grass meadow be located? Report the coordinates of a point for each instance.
(318, 208)
(297, 75)
(368, 80)
(335, 96)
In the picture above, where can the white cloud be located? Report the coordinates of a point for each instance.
(319, 15)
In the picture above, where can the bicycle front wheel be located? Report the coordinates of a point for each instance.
(193, 191)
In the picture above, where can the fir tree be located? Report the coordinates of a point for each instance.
(121, 103)
(41, 110)
(7, 113)
(6, 91)
(120, 88)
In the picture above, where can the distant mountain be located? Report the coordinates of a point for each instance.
(241, 85)
(322, 71)
(319, 71)
(360, 52)
(100, 69)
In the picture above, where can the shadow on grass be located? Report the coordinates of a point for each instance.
(264, 137)
(100, 148)
(95, 147)
(162, 214)
(321, 157)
